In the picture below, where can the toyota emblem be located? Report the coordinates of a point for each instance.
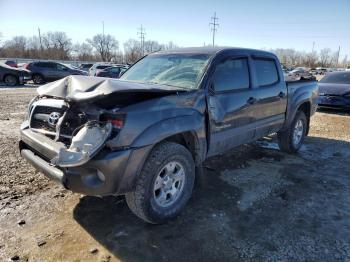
(53, 118)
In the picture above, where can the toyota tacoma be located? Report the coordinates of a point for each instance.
(146, 134)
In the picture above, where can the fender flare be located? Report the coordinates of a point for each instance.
(300, 99)
(161, 130)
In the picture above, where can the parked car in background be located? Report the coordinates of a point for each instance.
(9, 63)
(98, 67)
(112, 72)
(49, 71)
(85, 67)
(312, 71)
(12, 76)
(145, 135)
(299, 72)
(334, 90)
(321, 71)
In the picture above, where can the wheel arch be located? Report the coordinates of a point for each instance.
(188, 131)
(305, 107)
(10, 74)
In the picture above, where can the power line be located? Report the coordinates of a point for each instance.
(215, 25)
(142, 34)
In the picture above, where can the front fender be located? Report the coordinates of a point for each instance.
(171, 126)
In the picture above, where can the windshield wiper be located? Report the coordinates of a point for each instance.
(163, 84)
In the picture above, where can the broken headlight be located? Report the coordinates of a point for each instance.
(116, 119)
(31, 105)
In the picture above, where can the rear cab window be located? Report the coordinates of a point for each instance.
(231, 74)
(266, 71)
(102, 66)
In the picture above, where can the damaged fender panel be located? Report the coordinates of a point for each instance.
(85, 144)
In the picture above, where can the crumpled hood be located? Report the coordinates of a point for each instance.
(333, 89)
(78, 88)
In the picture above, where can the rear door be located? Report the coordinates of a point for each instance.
(230, 103)
(47, 69)
(270, 92)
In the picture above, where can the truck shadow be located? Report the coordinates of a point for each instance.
(212, 227)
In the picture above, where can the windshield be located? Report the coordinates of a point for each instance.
(337, 78)
(180, 70)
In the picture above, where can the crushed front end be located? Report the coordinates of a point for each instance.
(67, 142)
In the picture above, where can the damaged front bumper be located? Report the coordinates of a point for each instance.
(100, 172)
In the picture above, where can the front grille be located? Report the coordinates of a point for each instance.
(40, 116)
(38, 124)
(74, 119)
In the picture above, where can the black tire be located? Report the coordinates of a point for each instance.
(38, 79)
(285, 138)
(142, 200)
(11, 80)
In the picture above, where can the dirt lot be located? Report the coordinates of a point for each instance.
(254, 203)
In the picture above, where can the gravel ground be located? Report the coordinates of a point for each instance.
(253, 203)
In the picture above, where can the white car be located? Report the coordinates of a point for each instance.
(299, 72)
(98, 67)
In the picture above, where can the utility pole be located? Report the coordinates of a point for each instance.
(214, 25)
(313, 46)
(41, 44)
(103, 28)
(142, 33)
(338, 56)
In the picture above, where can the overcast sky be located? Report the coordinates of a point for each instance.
(249, 23)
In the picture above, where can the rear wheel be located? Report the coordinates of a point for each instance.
(11, 80)
(165, 184)
(291, 139)
(38, 79)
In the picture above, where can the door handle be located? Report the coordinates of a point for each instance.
(251, 100)
(281, 94)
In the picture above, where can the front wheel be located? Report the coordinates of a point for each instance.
(164, 185)
(291, 139)
(11, 80)
(38, 79)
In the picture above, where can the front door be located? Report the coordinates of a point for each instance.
(230, 102)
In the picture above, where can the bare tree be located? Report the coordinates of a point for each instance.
(310, 59)
(57, 45)
(324, 59)
(345, 63)
(84, 52)
(170, 45)
(105, 45)
(132, 51)
(152, 46)
(33, 47)
(16, 47)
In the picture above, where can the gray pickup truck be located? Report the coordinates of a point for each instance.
(146, 134)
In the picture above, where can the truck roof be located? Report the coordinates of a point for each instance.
(210, 50)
